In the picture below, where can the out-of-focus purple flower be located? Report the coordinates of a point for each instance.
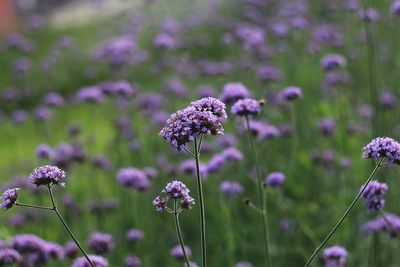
(9, 198)
(71, 249)
(275, 179)
(383, 147)
(286, 224)
(206, 91)
(116, 52)
(388, 99)
(177, 252)
(53, 99)
(327, 126)
(262, 130)
(215, 163)
(19, 116)
(250, 35)
(336, 78)
(189, 167)
(27, 243)
(327, 34)
(230, 188)
(373, 196)
(232, 154)
(18, 41)
(332, 61)
(226, 140)
(291, 93)
(36, 22)
(53, 251)
(132, 261)
(165, 40)
(389, 224)
(44, 151)
(10, 256)
(345, 162)
(246, 107)
(100, 243)
(395, 7)
(268, 73)
(91, 94)
(134, 235)
(335, 256)
(184, 125)
(47, 175)
(122, 88)
(232, 92)
(150, 172)
(21, 66)
(42, 114)
(102, 162)
(176, 86)
(65, 42)
(150, 102)
(133, 178)
(369, 14)
(244, 264)
(98, 261)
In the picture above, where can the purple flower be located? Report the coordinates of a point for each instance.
(91, 94)
(383, 147)
(184, 125)
(275, 179)
(122, 88)
(116, 52)
(47, 175)
(71, 249)
(389, 224)
(177, 252)
(232, 154)
(9, 198)
(42, 114)
(206, 91)
(291, 93)
(102, 162)
(395, 8)
(268, 73)
(9, 256)
(19, 116)
(327, 126)
(332, 61)
(134, 235)
(232, 92)
(369, 14)
(335, 256)
(132, 261)
(44, 151)
(215, 163)
(160, 203)
(262, 130)
(246, 107)
(133, 178)
(176, 190)
(165, 40)
(27, 243)
(53, 251)
(226, 140)
(373, 196)
(388, 99)
(98, 261)
(211, 104)
(100, 243)
(231, 188)
(244, 264)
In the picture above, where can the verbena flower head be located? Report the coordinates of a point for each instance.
(177, 252)
(246, 107)
(47, 175)
(44, 151)
(133, 178)
(70, 249)
(275, 179)
(9, 198)
(10, 257)
(101, 243)
(335, 256)
(332, 61)
(27, 243)
(383, 147)
(134, 235)
(390, 224)
(184, 125)
(231, 188)
(98, 261)
(291, 93)
(215, 106)
(395, 8)
(373, 196)
(132, 261)
(175, 190)
(232, 92)
(244, 264)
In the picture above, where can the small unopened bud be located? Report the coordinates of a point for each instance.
(247, 201)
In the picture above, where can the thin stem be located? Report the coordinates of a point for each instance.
(294, 139)
(67, 228)
(178, 231)
(201, 200)
(190, 153)
(262, 197)
(353, 203)
(33, 206)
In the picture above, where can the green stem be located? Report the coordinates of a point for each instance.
(262, 197)
(67, 228)
(33, 206)
(201, 200)
(178, 231)
(353, 203)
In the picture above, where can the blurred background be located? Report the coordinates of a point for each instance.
(88, 85)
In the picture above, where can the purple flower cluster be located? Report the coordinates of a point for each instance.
(100, 243)
(246, 107)
(373, 196)
(98, 261)
(383, 147)
(232, 92)
(332, 61)
(91, 94)
(9, 198)
(133, 178)
(275, 179)
(204, 117)
(244, 264)
(389, 224)
(9, 257)
(230, 188)
(262, 130)
(132, 261)
(177, 252)
(395, 8)
(291, 93)
(219, 160)
(175, 190)
(335, 256)
(134, 235)
(47, 175)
